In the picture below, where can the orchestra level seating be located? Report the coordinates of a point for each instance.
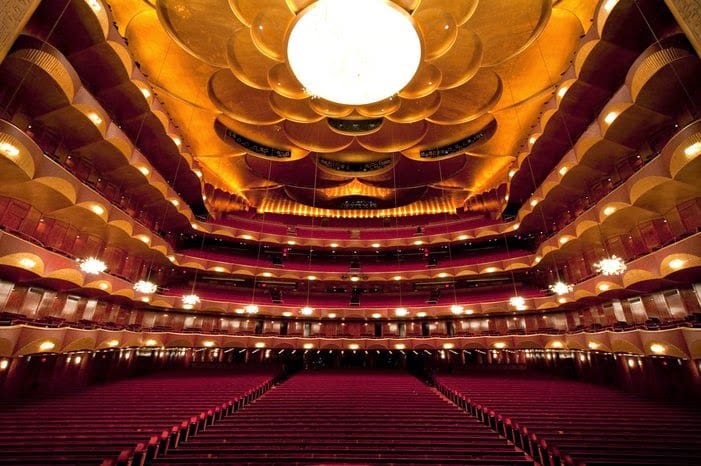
(348, 418)
(86, 427)
(592, 424)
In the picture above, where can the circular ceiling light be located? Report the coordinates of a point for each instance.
(353, 53)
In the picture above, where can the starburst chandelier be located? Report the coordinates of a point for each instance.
(190, 299)
(517, 301)
(613, 265)
(145, 287)
(92, 265)
(560, 288)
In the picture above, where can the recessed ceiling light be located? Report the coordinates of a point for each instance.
(693, 150)
(610, 117)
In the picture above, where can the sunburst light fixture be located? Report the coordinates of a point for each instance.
(145, 287)
(613, 265)
(92, 265)
(560, 288)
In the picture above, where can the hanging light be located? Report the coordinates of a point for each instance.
(307, 311)
(457, 309)
(251, 309)
(613, 265)
(92, 265)
(517, 301)
(145, 287)
(560, 288)
(190, 299)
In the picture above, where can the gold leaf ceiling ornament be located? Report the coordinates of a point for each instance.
(469, 51)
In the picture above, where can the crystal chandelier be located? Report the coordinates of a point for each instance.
(92, 265)
(560, 288)
(145, 287)
(613, 265)
(190, 299)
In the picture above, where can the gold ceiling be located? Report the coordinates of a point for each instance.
(487, 68)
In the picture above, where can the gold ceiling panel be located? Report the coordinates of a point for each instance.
(267, 34)
(485, 64)
(381, 108)
(282, 81)
(316, 137)
(394, 137)
(426, 80)
(247, 11)
(461, 10)
(506, 30)
(462, 61)
(408, 5)
(298, 111)
(200, 31)
(413, 110)
(468, 101)
(439, 31)
(330, 109)
(441, 135)
(226, 91)
(246, 62)
(168, 65)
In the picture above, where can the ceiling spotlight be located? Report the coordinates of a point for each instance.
(376, 315)
(676, 264)
(92, 266)
(396, 278)
(657, 348)
(47, 345)
(287, 314)
(332, 315)
(27, 263)
(421, 314)
(8, 149)
(691, 150)
(354, 278)
(610, 117)
(311, 277)
(145, 287)
(613, 265)
(190, 299)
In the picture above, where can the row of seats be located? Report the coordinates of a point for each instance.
(99, 422)
(342, 418)
(569, 422)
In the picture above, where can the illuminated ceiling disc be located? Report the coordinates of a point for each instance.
(353, 53)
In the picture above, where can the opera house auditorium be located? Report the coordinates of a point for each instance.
(337, 232)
